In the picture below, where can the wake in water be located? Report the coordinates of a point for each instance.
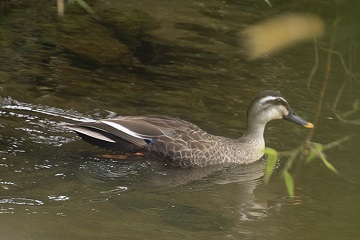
(40, 124)
(12, 104)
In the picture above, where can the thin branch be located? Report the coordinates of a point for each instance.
(324, 87)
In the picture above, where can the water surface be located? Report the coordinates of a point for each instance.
(188, 65)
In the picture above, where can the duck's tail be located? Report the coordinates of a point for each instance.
(116, 134)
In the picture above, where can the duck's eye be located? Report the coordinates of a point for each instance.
(278, 101)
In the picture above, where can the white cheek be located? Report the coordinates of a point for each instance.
(276, 113)
(284, 111)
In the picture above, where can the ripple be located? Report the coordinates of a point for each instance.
(5, 185)
(21, 201)
(58, 198)
(117, 190)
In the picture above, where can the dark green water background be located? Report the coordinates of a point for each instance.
(176, 58)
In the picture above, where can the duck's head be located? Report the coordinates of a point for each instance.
(269, 105)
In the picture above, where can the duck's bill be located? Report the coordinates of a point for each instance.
(293, 117)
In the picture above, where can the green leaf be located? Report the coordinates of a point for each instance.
(289, 182)
(317, 147)
(272, 157)
(327, 163)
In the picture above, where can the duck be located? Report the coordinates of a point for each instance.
(180, 143)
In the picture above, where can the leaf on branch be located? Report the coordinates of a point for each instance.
(289, 182)
(272, 157)
(317, 147)
(327, 163)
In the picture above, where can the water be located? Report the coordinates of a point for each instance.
(54, 186)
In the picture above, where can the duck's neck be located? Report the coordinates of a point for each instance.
(254, 130)
(252, 143)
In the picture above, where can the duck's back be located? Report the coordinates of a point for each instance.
(185, 144)
(181, 143)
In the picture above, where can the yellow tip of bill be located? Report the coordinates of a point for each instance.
(309, 125)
